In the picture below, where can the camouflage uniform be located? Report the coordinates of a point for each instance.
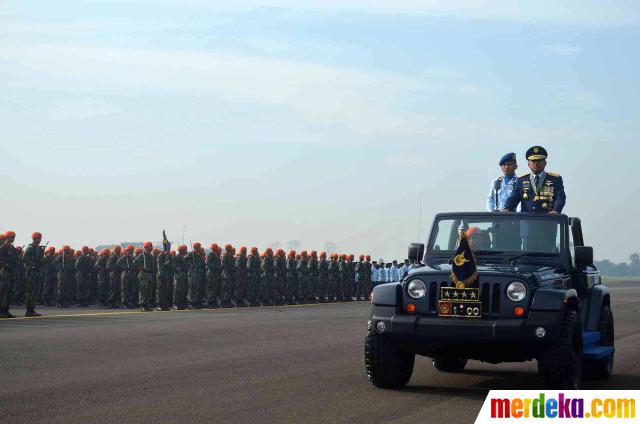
(128, 281)
(279, 282)
(93, 279)
(65, 268)
(368, 284)
(241, 278)
(114, 296)
(253, 278)
(350, 279)
(303, 278)
(18, 277)
(6, 276)
(82, 279)
(323, 277)
(314, 294)
(214, 275)
(228, 278)
(33, 272)
(195, 274)
(145, 265)
(333, 273)
(292, 278)
(180, 279)
(49, 280)
(267, 278)
(103, 277)
(164, 281)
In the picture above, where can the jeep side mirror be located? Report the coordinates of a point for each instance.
(584, 256)
(416, 252)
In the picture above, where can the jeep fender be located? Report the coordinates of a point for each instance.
(554, 299)
(386, 294)
(599, 295)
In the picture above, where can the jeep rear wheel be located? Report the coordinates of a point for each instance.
(387, 366)
(560, 366)
(445, 364)
(601, 369)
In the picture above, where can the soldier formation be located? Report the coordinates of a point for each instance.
(162, 279)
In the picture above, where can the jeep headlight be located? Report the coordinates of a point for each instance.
(516, 291)
(416, 289)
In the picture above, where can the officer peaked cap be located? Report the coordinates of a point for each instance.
(536, 153)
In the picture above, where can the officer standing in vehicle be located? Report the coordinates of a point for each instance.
(538, 192)
(502, 187)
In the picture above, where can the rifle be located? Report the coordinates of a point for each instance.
(165, 242)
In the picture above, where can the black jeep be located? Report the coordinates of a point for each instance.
(537, 296)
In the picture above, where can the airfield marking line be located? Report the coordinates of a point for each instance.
(219, 310)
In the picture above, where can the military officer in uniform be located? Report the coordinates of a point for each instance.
(501, 188)
(538, 192)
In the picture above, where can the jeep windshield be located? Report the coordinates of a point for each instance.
(498, 237)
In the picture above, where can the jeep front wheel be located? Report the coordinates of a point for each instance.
(560, 366)
(387, 366)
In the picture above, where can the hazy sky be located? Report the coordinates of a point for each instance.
(316, 120)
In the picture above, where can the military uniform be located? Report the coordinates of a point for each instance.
(214, 275)
(293, 293)
(342, 277)
(545, 196)
(114, 295)
(360, 279)
(145, 265)
(6, 274)
(333, 274)
(180, 279)
(303, 277)
(65, 267)
(279, 277)
(368, 271)
(103, 277)
(253, 277)
(163, 280)
(241, 279)
(349, 278)
(33, 272)
(128, 280)
(267, 278)
(323, 277)
(539, 194)
(314, 295)
(49, 278)
(83, 265)
(228, 277)
(18, 276)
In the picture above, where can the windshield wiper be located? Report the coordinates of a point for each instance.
(533, 255)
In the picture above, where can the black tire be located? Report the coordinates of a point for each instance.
(387, 366)
(602, 369)
(560, 366)
(445, 364)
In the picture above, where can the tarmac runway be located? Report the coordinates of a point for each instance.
(273, 364)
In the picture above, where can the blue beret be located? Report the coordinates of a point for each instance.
(509, 157)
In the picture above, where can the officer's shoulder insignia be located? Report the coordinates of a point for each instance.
(524, 175)
(553, 174)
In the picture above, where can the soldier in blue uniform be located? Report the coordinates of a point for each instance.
(501, 188)
(538, 192)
